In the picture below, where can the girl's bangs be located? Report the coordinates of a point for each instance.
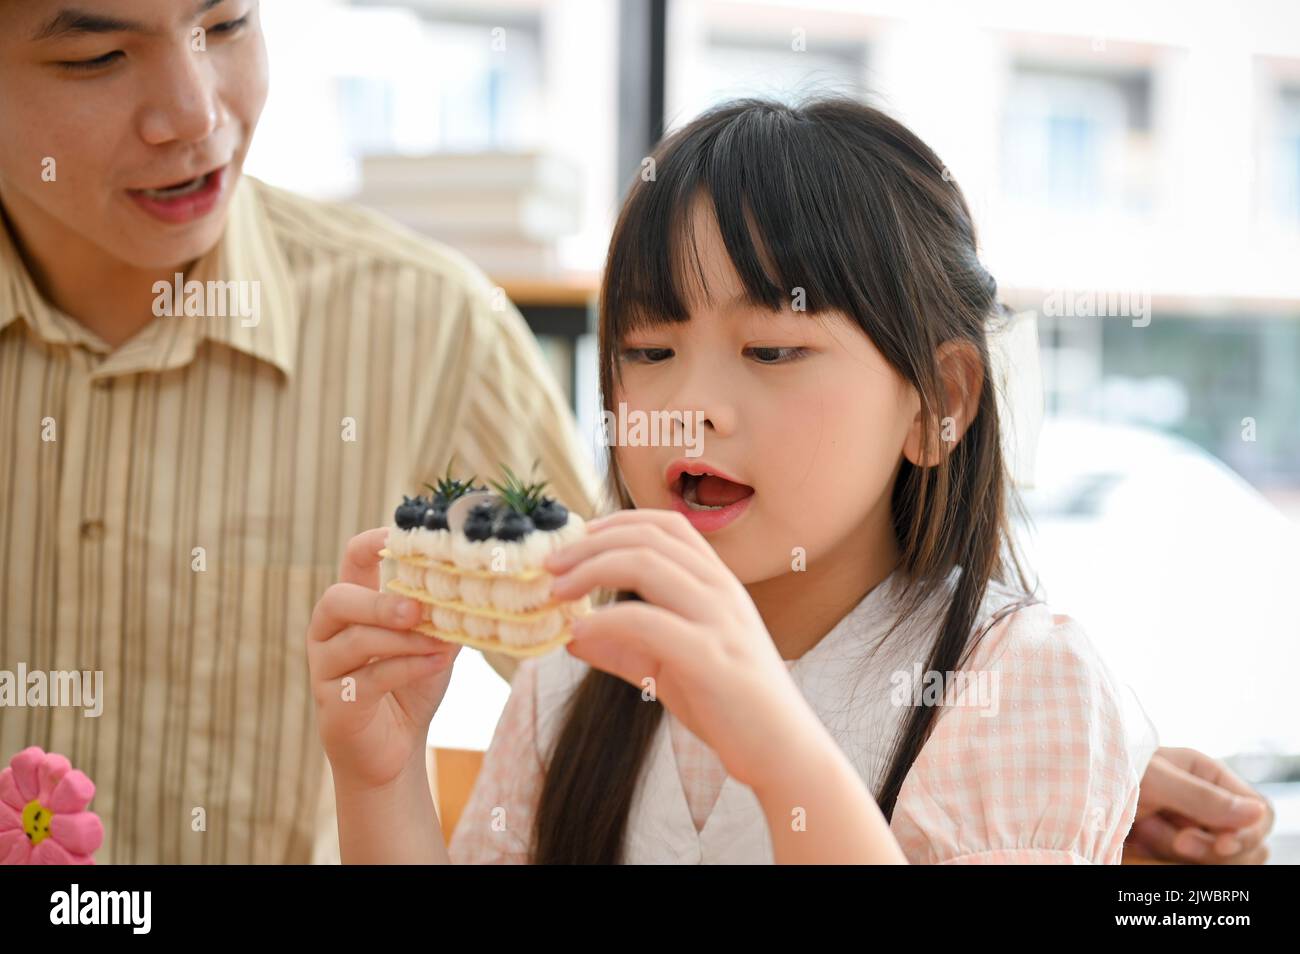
(767, 212)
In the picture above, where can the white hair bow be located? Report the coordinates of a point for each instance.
(1018, 380)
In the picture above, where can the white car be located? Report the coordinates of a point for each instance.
(1182, 574)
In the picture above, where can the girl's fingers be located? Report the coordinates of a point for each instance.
(347, 604)
(631, 639)
(616, 658)
(361, 559)
(670, 521)
(563, 560)
(642, 569)
(357, 645)
(377, 679)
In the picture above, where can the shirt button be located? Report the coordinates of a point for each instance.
(92, 530)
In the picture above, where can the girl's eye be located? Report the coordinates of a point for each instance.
(98, 62)
(647, 355)
(777, 355)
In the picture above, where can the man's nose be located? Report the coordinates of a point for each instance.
(185, 106)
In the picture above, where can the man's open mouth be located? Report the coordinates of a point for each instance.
(179, 189)
(184, 201)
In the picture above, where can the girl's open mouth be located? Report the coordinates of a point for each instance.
(710, 502)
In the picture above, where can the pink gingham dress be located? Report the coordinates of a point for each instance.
(1035, 759)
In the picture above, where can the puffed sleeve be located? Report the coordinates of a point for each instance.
(497, 821)
(1032, 760)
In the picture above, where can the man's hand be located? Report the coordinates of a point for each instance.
(1192, 809)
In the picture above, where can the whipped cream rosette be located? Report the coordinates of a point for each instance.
(473, 557)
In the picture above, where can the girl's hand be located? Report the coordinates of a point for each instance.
(696, 633)
(376, 684)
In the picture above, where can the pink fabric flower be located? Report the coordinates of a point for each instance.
(43, 817)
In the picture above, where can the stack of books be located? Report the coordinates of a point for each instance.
(504, 210)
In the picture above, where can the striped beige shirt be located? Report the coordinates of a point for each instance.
(171, 509)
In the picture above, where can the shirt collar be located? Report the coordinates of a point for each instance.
(249, 251)
(858, 630)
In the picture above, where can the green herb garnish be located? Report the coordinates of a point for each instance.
(448, 488)
(519, 495)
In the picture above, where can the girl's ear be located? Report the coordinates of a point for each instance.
(961, 374)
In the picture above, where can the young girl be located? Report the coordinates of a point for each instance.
(832, 653)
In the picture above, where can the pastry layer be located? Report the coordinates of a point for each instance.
(493, 645)
(518, 630)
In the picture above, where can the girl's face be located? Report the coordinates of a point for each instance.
(803, 409)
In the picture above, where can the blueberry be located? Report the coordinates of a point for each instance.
(513, 526)
(410, 512)
(550, 514)
(478, 523)
(435, 518)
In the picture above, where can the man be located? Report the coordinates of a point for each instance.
(182, 467)
(176, 490)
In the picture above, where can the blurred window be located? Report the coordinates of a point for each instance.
(1071, 138)
(1288, 155)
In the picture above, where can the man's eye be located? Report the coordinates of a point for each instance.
(230, 26)
(647, 355)
(777, 355)
(98, 62)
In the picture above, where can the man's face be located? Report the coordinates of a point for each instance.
(106, 105)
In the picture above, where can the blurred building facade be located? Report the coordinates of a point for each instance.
(1134, 168)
